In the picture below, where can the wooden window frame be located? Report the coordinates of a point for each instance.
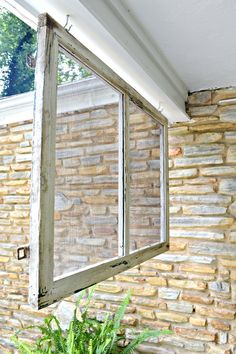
(44, 289)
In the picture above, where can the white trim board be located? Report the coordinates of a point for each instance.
(19, 108)
(127, 32)
(121, 47)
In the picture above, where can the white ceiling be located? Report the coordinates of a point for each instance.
(198, 37)
(163, 48)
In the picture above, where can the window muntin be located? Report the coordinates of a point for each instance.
(48, 281)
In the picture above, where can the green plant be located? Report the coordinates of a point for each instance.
(85, 335)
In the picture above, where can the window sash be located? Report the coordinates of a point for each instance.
(44, 289)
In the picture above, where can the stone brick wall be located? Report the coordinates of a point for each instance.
(86, 188)
(190, 289)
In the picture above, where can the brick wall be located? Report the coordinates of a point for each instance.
(190, 289)
(86, 188)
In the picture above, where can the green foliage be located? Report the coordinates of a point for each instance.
(85, 335)
(18, 44)
(70, 71)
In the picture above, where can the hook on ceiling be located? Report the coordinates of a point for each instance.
(67, 23)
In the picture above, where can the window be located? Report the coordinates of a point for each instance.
(99, 201)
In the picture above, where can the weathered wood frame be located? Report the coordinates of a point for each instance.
(44, 289)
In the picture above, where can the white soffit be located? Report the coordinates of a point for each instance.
(197, 37)
(127, 51)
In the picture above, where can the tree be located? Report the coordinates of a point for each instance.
(18, 43)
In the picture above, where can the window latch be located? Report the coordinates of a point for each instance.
(23, 252)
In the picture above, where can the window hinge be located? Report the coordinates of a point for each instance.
(23, 252)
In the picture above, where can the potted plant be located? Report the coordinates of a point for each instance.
(85, 335)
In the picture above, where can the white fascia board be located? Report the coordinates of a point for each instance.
(17, 108)
(118, 46)
(72, 98)
(123, 27)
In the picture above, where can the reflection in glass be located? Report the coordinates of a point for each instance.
(86, 181)
(144, 165)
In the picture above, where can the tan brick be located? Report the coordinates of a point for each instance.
(175, 151)
(197, 321)
(92, 170)
(143, 291)
(20, 214)
(160, 266)
(216, 349)
(171, 317)
(155, 324)
(178, 130)
(23, 190)
(3, 191)
(197, 268)
(212, 127)
(100, 200)
(233, 274)
(232, 338)
(220, 325)
(190, 190)
(12, 276)
(183, 173)
(143, 126)
(21, 167)
(196, 334)
(131, 279)
(150, 314)
(215, 312)
(187, 284)
(109, 288)
(208, 137)
(230, 263)
(180, 139)
(13, 268)
(200, 98)
(6, 152)
(158, 281)
(11, 139)
(177, 245)
(223, 94)
(14, 183)
(145, 175)
(4, 168)
(30, 311)
(5, 312)
(199, 111)
(67, 171)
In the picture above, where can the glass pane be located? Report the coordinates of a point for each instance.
(86, 181)
(144, 162)
(70, 70)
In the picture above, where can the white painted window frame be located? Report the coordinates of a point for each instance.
(44, 289)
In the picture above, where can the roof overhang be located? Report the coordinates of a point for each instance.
(104, 28)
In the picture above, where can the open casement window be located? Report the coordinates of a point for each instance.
(99, 203)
